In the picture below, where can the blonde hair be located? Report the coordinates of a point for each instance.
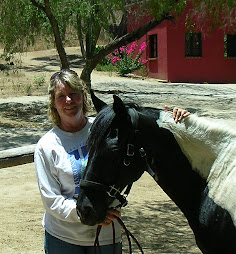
(71, 79)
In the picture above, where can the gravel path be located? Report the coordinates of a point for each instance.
(217, 101)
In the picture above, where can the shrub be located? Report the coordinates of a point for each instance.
(125, 59)
(39, 80)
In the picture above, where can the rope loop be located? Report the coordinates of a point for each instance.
(128, 235)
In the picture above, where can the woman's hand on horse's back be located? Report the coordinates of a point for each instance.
(178, 113)
(111, 215)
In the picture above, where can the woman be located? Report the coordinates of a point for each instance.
(60, 157)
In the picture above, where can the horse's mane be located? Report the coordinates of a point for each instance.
(201, 139)
(197, 125)
(103, 121)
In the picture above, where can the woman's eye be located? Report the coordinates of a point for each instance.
(75, 95)
(59, 97)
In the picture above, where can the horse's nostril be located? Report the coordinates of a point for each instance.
(88, 216)
(88, 211)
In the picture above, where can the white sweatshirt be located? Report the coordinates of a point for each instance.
(59, 158)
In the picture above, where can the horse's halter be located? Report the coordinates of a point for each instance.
(113, 191)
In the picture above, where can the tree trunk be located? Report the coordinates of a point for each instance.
(86, 74)
(118, 31)
(80, 36)
(58, 40)
(92, 35)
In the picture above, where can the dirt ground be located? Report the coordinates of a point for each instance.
(151, 216)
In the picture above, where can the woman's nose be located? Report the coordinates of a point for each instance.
(68, 99)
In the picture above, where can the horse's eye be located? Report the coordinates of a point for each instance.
(113, 133)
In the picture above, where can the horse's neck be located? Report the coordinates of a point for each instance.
(200, 140)
(174, 171)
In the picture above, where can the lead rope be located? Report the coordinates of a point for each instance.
(128, 235)
(96, 242)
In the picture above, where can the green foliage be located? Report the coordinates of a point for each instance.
(39, 80)
(157, 7)
(28, 89)
(128, 66)
(20, 22)
(97, 10)
(107, 67)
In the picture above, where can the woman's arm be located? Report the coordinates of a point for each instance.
(55, 203)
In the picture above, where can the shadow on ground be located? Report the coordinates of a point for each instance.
(159, 227)
(22, 124)
(17, 137)
(44, 63)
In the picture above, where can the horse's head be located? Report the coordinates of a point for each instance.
(114, 161)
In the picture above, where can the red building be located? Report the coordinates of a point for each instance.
(176, 55)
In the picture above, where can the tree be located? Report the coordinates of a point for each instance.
(89, 17)
(217, 13)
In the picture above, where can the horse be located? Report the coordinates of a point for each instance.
(194, 162)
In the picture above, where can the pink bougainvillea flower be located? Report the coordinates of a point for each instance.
(128, 51)
(109, 56)
(144, 61)
(132, 47)
(122, 49)
(116, 52)
(115, 59)
(142, 47)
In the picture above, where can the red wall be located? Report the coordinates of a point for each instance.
(158, 68)
(171, 63)
(212, 67)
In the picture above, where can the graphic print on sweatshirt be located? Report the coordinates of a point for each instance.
(78, 159)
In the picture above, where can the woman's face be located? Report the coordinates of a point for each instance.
(68, 103)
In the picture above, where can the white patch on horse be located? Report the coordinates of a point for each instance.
(210, 147)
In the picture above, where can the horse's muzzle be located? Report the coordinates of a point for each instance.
(87, 213)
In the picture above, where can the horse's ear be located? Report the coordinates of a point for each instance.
(98, 104)
(119, 107)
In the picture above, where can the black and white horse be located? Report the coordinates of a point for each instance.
(194, 163)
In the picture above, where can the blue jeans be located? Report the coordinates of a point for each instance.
(53, 245)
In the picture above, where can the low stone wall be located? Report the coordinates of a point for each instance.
(17, 156)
